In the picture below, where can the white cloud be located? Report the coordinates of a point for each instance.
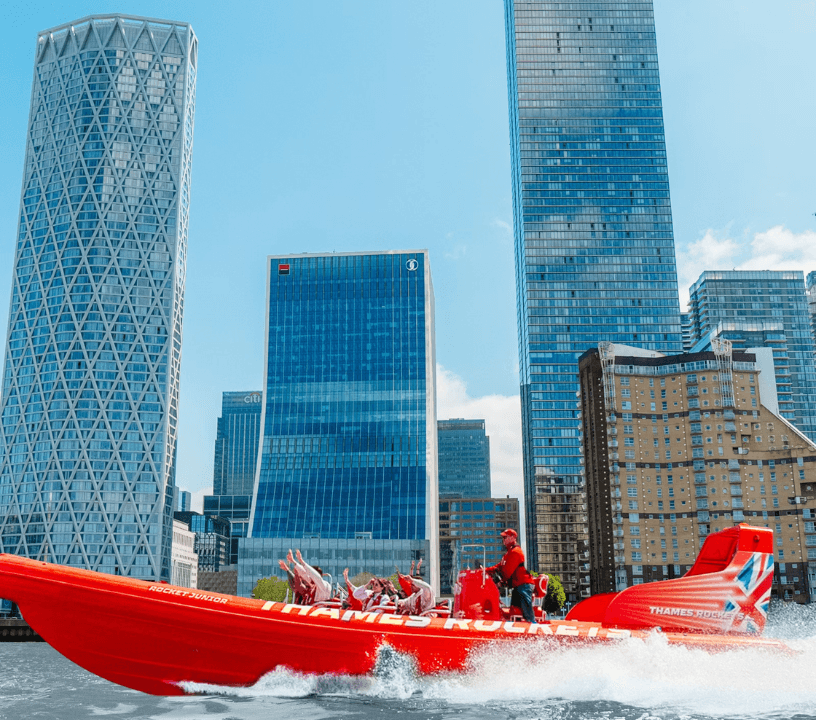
(457, 253)
(774, 249)
(502, 416)
(714, 251)
(197, 499)
(781, 249)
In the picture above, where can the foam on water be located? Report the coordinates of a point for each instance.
(648, 674)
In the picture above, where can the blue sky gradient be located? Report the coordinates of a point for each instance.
(338, 125)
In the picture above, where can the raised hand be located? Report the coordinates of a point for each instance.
(289, 557)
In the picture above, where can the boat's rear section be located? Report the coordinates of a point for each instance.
(727, 591)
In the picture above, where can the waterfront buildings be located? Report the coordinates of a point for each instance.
(348, 467)
(592, 220)
(236, 456)
(677, 447)
(464, 459)
(763, 308)
(91, 379)
(212, 539)
(184, 560)
(469, 533)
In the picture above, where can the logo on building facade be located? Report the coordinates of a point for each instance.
(412, 264)
(252, 398)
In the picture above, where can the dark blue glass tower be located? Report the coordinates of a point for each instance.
(593, 227)
(464, 459)
(236, 458)
(348, 450)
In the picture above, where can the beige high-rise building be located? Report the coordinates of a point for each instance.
(677, 447)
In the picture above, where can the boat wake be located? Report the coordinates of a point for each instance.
(649, 675)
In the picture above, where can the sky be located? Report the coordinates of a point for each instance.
(334, 125)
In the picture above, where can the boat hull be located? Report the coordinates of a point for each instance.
(154, 637)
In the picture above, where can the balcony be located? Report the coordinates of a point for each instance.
(730, 427)
(702, 504)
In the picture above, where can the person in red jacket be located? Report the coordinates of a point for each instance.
(515, 575)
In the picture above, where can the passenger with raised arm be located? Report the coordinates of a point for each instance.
(513, 574)
(370, 595)
(323, 589)
(301, 586)
(420, 596)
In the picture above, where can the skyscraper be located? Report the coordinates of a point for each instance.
(91, 379)
(464, 459)
(593, 228)
(348, 446)
(236, 458)
(764, 308)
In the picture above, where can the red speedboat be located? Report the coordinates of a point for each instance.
(153, 637)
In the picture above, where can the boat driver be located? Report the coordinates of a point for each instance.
(515, 575)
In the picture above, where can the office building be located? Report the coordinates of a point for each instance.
(469, 534)
(811, 301)
(680, 446)
(464, 459)
(236, 458)
(91, 379)
(184, 560)
(766, 308)
(184, 500)
(348, 468)
(212, 540)
(594, 243)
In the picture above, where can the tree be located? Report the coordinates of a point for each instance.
(556, 597)
(270, 588)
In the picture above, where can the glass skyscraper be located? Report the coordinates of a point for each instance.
(763, 308)
(348, 443)
(236, 458)
(593, 226)
(464, 459)
(91, 379)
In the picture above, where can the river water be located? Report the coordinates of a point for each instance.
(634, 679)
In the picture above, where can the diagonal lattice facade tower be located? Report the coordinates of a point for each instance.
(89, 411)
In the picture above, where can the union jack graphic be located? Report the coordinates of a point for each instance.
(754, 581)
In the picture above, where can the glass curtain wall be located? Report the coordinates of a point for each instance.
(593, 226)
